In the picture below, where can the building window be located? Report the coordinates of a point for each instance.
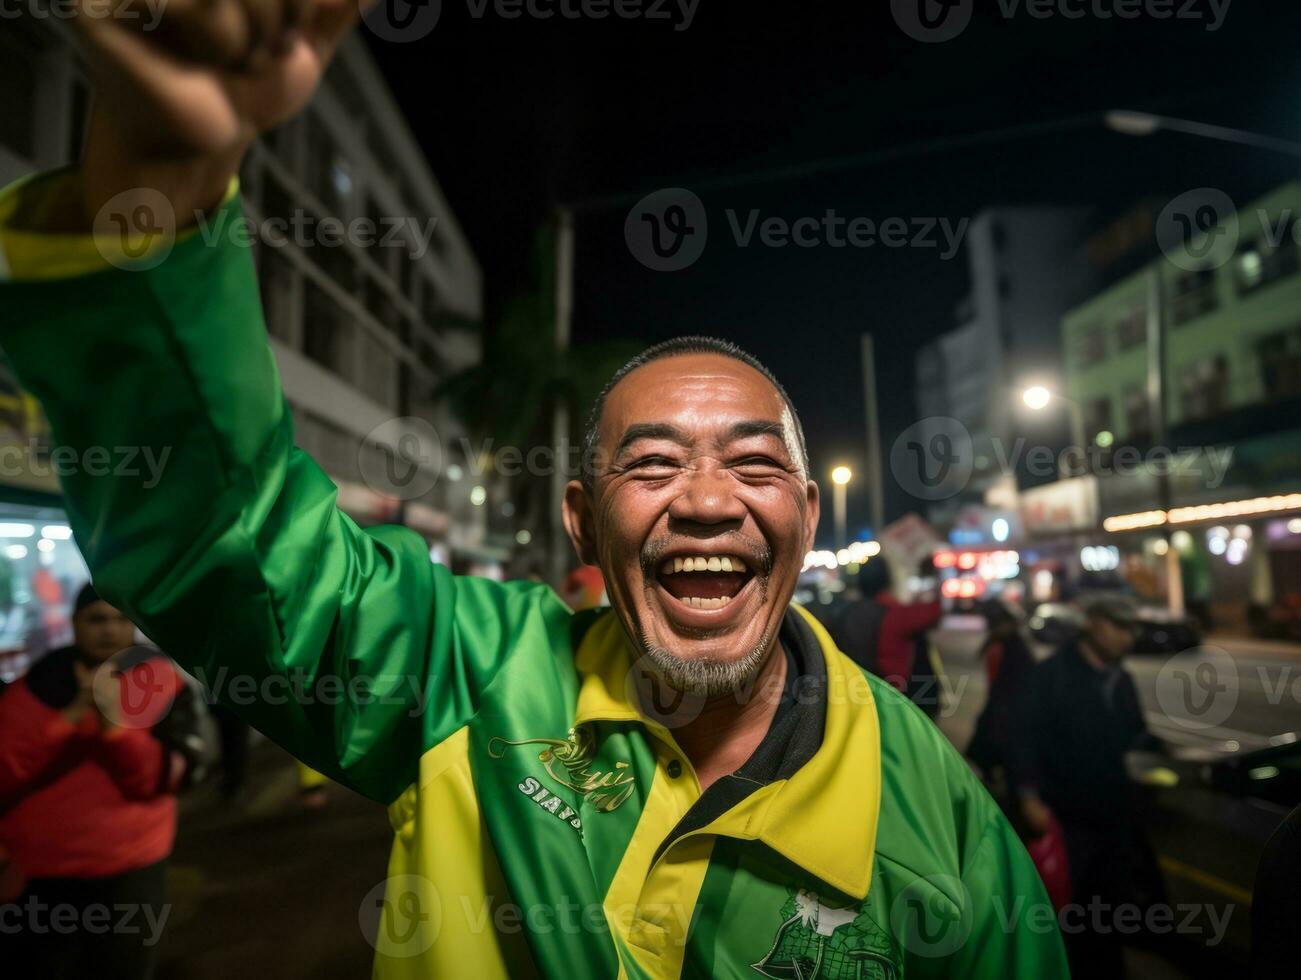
(1194, 296)
(1280, 363)
(323, 337)
(1131, 331)
(1091, 345)
(1271, 257)
(1204, 388)
(1097, 417)
(1138, 417)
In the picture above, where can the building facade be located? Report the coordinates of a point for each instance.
(1231, 330)
(1025, 271)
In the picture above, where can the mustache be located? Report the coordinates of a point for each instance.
(757, 554)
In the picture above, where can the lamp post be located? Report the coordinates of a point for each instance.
(1038, 397)
(840, 478)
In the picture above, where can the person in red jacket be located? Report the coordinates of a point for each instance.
(94, 743)
(880, 632)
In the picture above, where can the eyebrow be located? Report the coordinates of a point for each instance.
(745, 429)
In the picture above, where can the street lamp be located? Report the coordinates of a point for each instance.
(1130, 123)
(840, 477)
(1037, 398)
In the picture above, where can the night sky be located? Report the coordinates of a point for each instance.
(516, 115)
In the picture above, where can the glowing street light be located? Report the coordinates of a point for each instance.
(1037, 398)
(840, 476)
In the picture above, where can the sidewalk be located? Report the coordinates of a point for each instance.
(265, 888)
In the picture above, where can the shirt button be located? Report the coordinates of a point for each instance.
(674, 768)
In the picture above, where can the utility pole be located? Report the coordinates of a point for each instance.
(1156, 400)
(875, 465)
(558, 559)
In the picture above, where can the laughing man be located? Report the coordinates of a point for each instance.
(693, 783)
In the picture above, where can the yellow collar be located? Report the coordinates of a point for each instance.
(824, 817)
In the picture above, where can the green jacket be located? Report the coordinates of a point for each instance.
(542, 824)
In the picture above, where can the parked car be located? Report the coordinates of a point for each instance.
(1159, 630)
(1055, 623)
(1208, 817)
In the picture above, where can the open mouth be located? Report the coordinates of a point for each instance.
(704, 581)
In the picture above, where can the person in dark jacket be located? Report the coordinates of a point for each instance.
(1008, 664)
(880, 633)
(1077, 717)
(95, 741)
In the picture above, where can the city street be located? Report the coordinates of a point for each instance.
(1232, 696)
(1255, 685)
(266, 888)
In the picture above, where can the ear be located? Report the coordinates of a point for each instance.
(811, 514)
(579, 524)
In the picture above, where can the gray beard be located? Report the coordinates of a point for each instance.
(706, 677)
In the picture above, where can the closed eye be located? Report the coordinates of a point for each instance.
(651, 464)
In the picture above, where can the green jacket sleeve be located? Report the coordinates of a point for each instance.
(1010, 927)
(223, 541)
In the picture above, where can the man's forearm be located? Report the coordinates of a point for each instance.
(112, 167)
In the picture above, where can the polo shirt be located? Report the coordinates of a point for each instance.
(545, 820)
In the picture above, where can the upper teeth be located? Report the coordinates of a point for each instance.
(713, 563)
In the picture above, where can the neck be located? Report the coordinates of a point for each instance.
(730, 727)
(1091, 656)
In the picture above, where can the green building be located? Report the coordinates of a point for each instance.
(1229, 304)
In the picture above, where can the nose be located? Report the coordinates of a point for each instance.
(708, 498)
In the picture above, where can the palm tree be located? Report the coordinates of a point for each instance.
(510, 397)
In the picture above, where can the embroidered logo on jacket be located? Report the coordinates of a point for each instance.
(569, 762)
(819, 941)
